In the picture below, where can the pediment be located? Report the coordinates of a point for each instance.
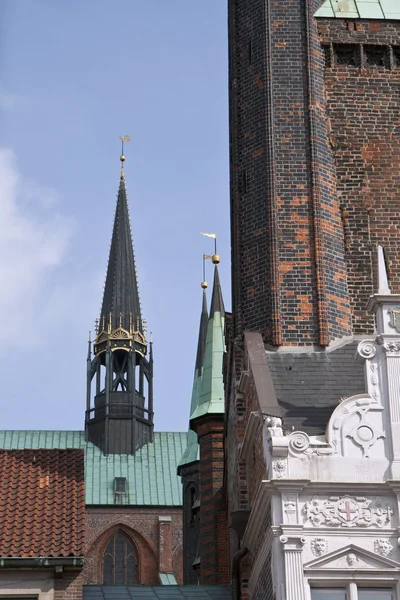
(352, 558)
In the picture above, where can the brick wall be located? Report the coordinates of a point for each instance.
(69, 586)
(191, 493)
(288, 271)
(143, 527)
(362, 78)
(214, 566)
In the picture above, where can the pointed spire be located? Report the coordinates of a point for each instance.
(121, 302)
(192, 450)
(217, 302)
(211, 392)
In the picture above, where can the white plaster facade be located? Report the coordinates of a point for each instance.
(335, 499)
(21, 583)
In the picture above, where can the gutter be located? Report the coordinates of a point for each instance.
(40, 562)
(236, 584)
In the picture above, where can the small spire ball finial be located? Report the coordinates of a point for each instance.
(204, 285)
(215, 259)
(122, 158)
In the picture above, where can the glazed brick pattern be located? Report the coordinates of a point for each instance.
(288, 270)
(69, 587)
(214, 565)
(42, 503)
(363, 112)
(142, 525)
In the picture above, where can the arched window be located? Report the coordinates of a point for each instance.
(119, 560)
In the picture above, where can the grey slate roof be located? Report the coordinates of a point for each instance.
(121, 295)
(309, 385)
(156, 592)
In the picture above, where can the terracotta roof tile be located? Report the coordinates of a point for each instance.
(42, 503)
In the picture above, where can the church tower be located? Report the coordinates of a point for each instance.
(119, 411)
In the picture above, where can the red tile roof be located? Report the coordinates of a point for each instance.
(42, 503)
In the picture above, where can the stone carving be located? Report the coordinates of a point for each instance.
(366, 349)
(289, 507)
(383, 547)
(319, 546)
(363, 433)
(352, 559)
(392, 347)
(274, 425)
(299, 442)
(395, 318)
(279, 468)
(347, 512)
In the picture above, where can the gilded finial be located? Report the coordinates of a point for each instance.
(125, 138)
(204, 283)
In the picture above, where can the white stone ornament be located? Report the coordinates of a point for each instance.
(352, 559)
(299, 442)
(347, 512)
(319, 546)
(279, 468)
(383, 547)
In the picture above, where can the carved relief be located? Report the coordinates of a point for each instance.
(391, 347)
(347, 512)
(279, 468)
(274, 427)
(299, 442)
(358, 419)
(351, 559)
(383, 547)
(366, 349)
(394, 321)
(364, 434)
(319, 546)
(289, 508)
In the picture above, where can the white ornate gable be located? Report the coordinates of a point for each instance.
(352, 558)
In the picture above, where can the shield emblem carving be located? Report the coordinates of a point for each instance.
(395, 318)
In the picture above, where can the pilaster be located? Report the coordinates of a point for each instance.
(294, 577)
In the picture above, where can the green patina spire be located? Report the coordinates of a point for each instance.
(191, 453)
(359, 9)
(211, 392)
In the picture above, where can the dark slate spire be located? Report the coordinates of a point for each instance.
(201, 344)
(121, 295)
(217, 302)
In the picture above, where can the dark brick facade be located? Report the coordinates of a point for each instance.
(191, 495)
(362, 81)
(288, 269)
(213, 531)
(157, 540)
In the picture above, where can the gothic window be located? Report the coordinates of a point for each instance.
(119, 561)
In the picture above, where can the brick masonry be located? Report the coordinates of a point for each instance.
(191, 494)
(214, 565)
(69, 586)
(362, 82)
(143, 526)
(288, 269)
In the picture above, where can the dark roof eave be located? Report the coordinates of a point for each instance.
(40, 562)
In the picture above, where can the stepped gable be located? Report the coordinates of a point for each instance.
(42, 503)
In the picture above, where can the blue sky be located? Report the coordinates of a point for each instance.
(74, 76)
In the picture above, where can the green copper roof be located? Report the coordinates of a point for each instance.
(192, 451)
(360, 9)
(150, 472)
(211, 393)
